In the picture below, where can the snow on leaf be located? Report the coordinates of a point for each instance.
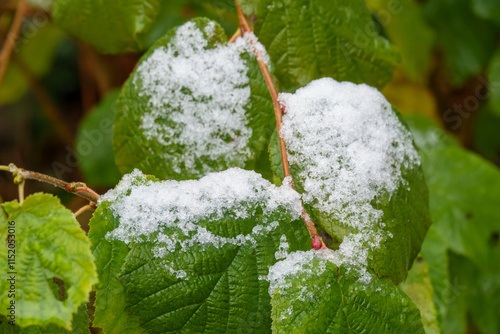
(194, 105)
(150, 208)
(196, 244)
(207, 90)
(312, 293)
(358, 170)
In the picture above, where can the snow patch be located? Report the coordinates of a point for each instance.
(282, 248)
(282, 272)
(147, 210)
(352, 149)
(206, 92)
(257, 48)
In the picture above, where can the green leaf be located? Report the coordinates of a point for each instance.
(192, 253)
(406, 28)
(464, 214)
(466, 41)
(110, 306)
(80, 325)
(170, 14)
(419, 288)
(174, 13)
(487, 141)
(494, 83)
(111, 27)
(48, 243)
(223, 4)
(192, 106)
(428, 135)
(313, 295)
(435, 253)
(275, 158)
(36, 54)
(376, 226)
(478, 291)
(94, 144)
(465, 224)
(248, 6)
(307, 40)
(487, 9)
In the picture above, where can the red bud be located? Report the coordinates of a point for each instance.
(316, 242)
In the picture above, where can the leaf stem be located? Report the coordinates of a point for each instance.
(77, 188)
(10, 41)
(278, 113)
(84, 208)
(20, 189)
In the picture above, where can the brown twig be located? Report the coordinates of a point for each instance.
(77, 188)
(278, 113)
(10, 41)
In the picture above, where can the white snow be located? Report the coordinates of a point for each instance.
(352, 149)
(282, 272)
(257, 48)
(197, 99)
(282, 248)
(147, 209)
(294, 263)
(309, 266)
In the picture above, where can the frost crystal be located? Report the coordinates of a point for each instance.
(148, 209)
(352, 150)
(197, 97)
